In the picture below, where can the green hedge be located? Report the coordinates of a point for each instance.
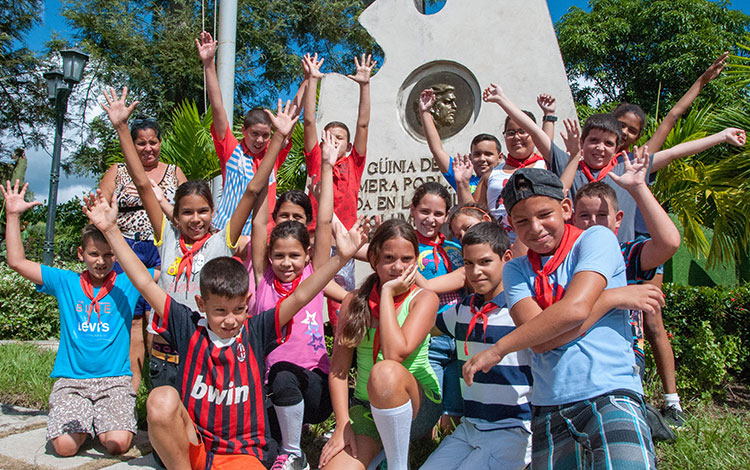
(709, 328)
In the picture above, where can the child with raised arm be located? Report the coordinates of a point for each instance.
(601, 135)
(239, 161)
(587, 395)
(217, 419)
(485, 150)
(297, 371)
(596, 204)
(191, 241)
(93, 395)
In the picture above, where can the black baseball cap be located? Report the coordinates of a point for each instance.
(527, 182)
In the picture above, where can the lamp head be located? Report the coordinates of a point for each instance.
(54, 82)
(74, 60)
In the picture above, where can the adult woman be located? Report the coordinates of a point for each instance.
(132, 218)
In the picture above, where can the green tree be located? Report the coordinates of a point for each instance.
(647, 51)
(149, 46)
(22, 90)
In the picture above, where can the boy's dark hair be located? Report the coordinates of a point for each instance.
(432, 187)
(256, 116)
(340, 125)
(142, 123)
(90, 232)
(605, 122)
(199, 187)
(290, 229)
(597, 189)
(225, 277)
(295, 196)
(490, 233)
(528, 113)
(625, 108)
(487, 137)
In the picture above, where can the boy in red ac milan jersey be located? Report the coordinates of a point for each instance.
(217, 420)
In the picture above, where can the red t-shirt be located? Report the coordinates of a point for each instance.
(226, 145)
(347, 179)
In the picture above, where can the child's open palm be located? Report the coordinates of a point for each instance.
(462, 168)
(363, 69)
(285, 118)
(330, 148)
(635, 171)
(426, 100)
(311, 65)
(492, 94)
(547, 102)
(14, 202)
(572, 137)
(206, 46)
(116, 108)
(715, 69)
(348, 243)
(101, 213)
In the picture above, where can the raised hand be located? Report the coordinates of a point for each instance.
(715, 69)
(329, 148)
(402, 283)
(635, 172)
(547, 102)
(363, 69)
(572, 137)
(493, 94)
(735, 136)
(14, 202)
(285, 118)
(158, 192)
(311, 66)
(101, 213)
(116, 108)
(462, 168)
(206, 47)
(483, 361)
(347, 243)
(426, 100)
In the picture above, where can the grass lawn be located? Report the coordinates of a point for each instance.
(716, 435)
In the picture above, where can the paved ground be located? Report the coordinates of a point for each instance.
(23, 447)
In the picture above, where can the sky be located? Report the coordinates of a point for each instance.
(38, 172)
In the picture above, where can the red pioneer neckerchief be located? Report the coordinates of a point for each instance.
(437, 249)
(374, 302)
(88, 289)
(283, 292)
(586, 169)
(545, 294)
(476, 315)
(515, 163)
(186, 263)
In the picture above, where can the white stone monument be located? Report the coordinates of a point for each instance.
(469, 44)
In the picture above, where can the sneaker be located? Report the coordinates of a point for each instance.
(290, 462)
(674, 417)
(660, 430)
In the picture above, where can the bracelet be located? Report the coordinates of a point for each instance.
(549, 118)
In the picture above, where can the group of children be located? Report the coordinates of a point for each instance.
(520, 332)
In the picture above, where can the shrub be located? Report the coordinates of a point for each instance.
(25, 314)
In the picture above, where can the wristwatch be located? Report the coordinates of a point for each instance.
(549, 118)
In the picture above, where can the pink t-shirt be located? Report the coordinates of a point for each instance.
(306, 346)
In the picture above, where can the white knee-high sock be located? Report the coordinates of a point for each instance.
(394, 427)
(290, 421)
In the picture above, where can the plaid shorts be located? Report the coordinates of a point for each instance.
(91, 406)
(604, 432)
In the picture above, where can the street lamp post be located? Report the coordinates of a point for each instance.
(59, 86)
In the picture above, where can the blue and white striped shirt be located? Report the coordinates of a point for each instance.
(499, 398)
